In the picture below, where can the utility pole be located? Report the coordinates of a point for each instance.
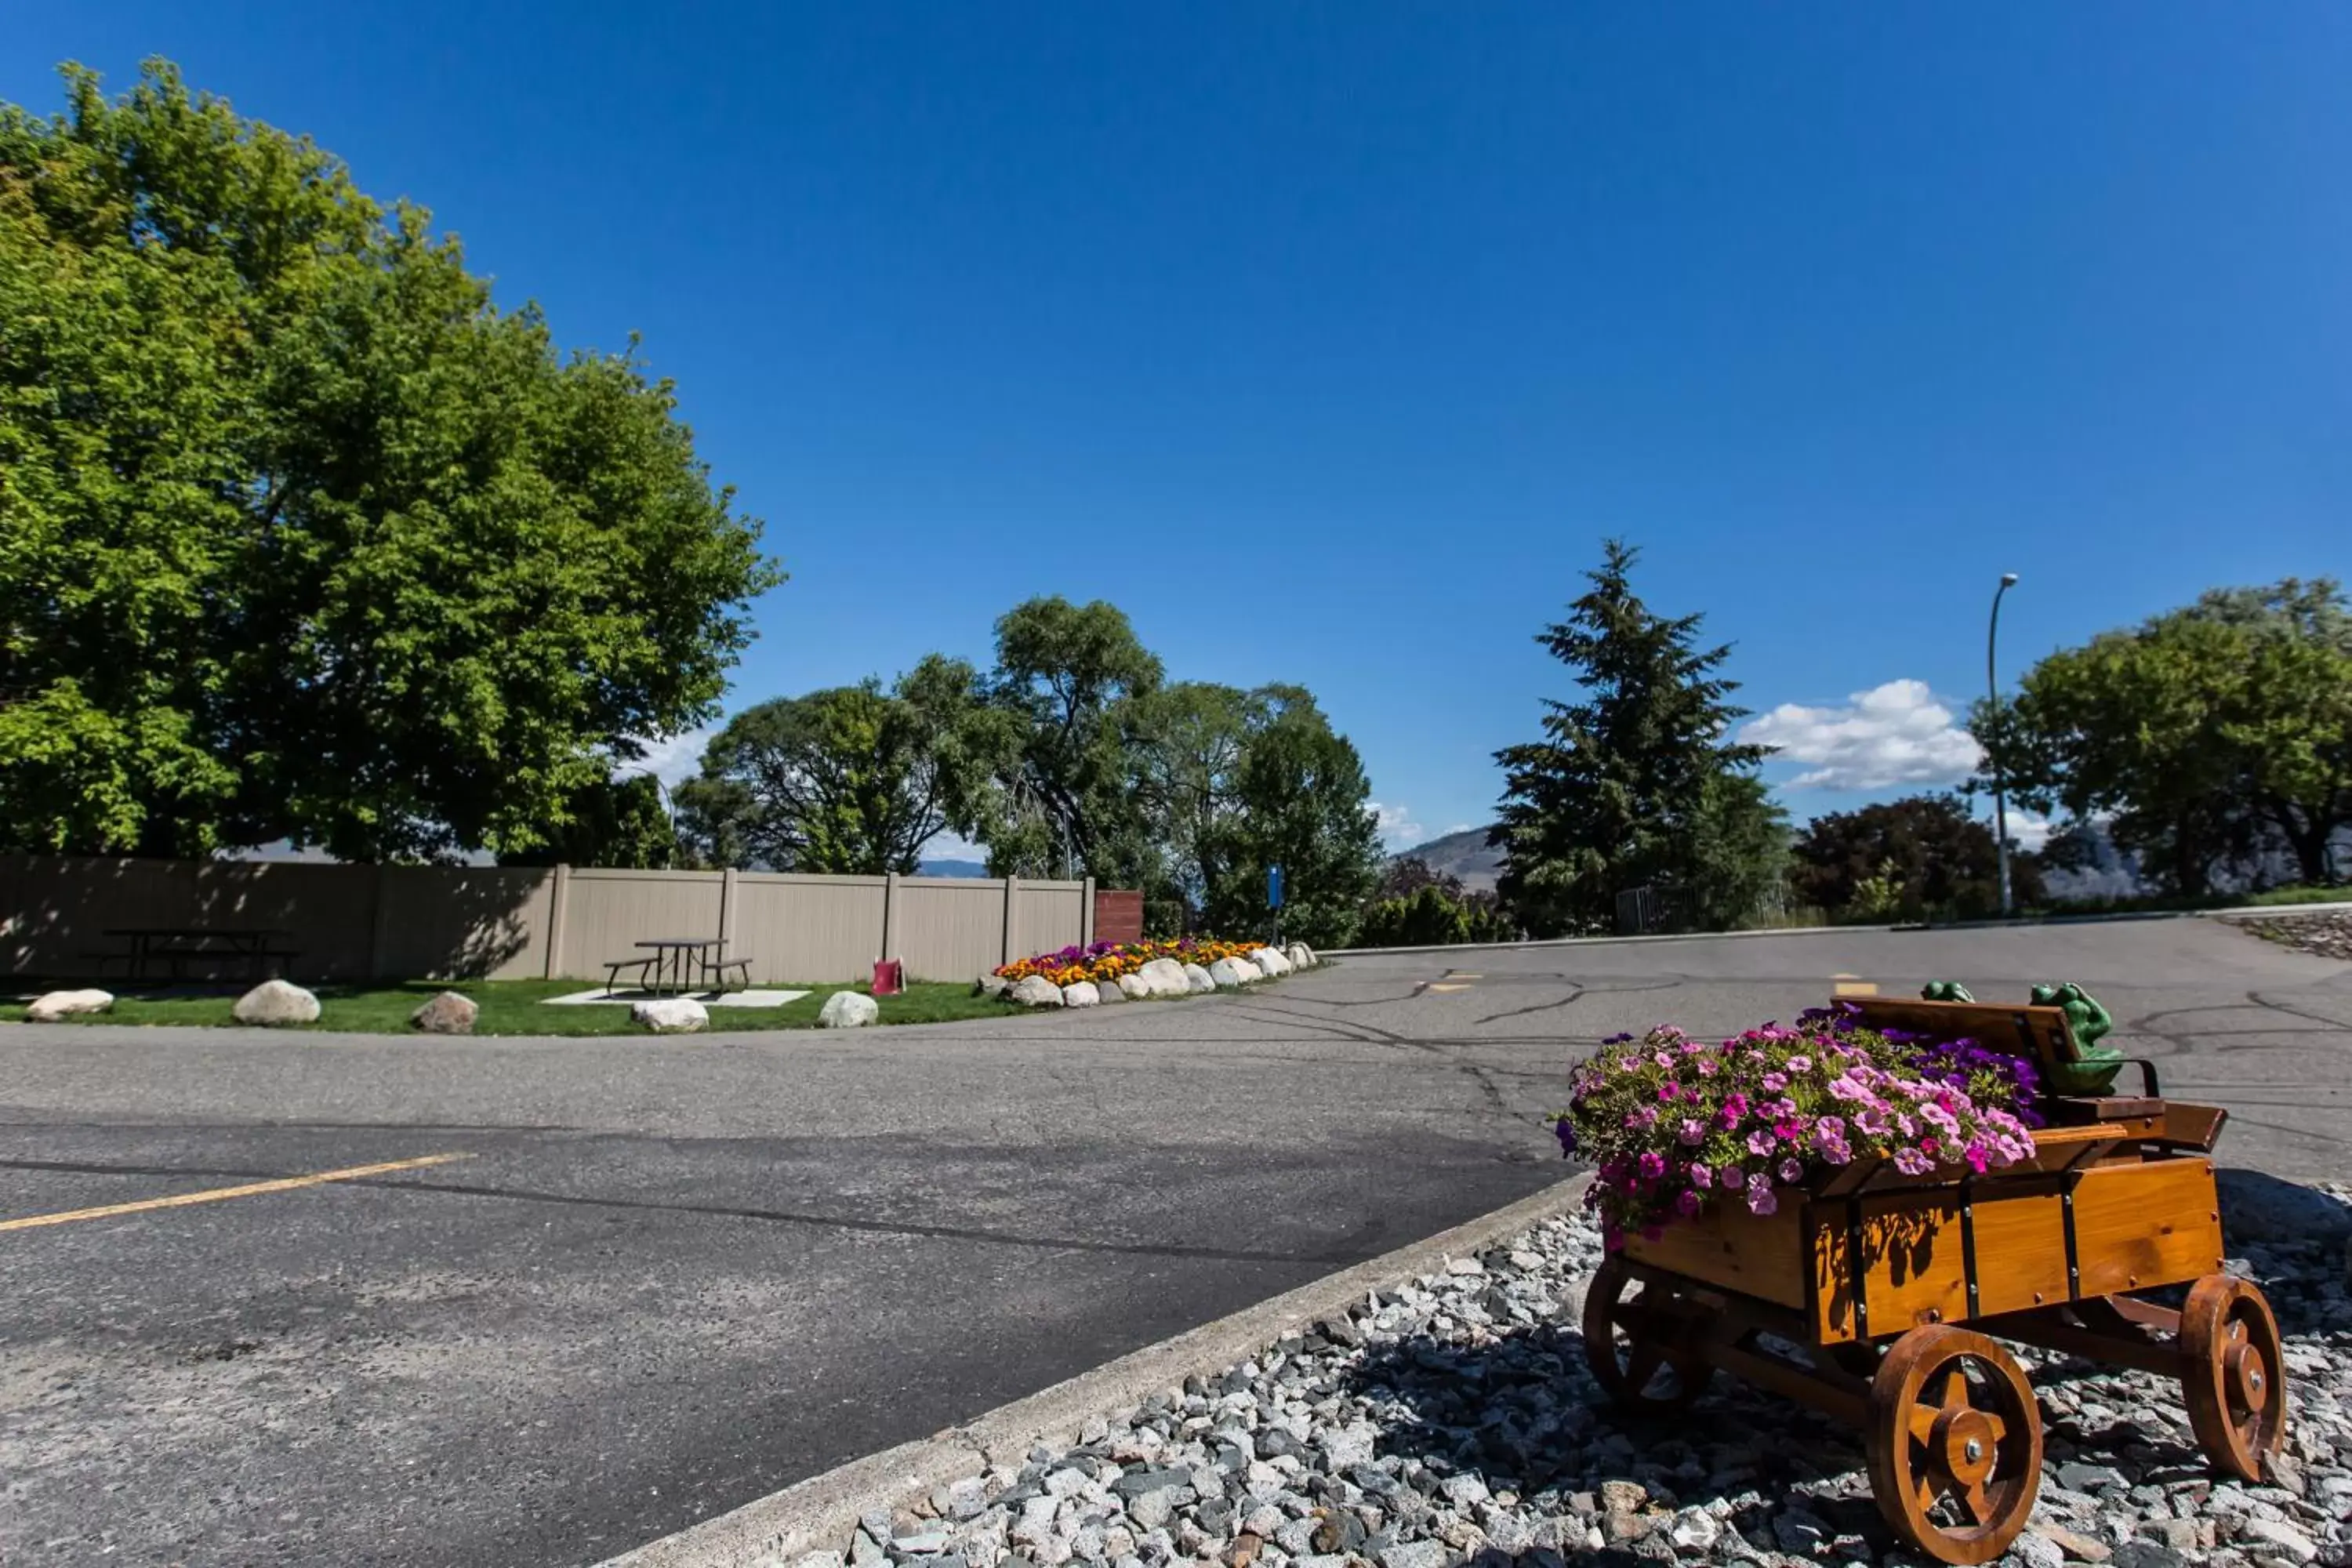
(1992, 690)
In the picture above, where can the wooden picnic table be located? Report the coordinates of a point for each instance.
(251, 946)
(677, 962)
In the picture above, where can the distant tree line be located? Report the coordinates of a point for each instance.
(1072, 755)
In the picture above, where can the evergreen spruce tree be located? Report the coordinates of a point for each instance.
(1630, 786)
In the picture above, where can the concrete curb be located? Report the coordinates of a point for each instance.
(819, 1514)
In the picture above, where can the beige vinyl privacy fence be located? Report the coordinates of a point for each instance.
(406, 922)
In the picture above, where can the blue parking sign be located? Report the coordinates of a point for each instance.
(1273, 887)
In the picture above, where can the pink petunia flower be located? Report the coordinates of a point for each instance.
(1761, 1199)
(1732, 1178)
(1693, 1132)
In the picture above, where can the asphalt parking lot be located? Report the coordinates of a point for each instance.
(605, 1288)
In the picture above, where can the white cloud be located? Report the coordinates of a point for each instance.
(672, 761)
(1398, 829)
(1898, 733)
(2028, 830)
(1457, 827)
(948, 847)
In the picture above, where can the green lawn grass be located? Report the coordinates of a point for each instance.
(516, 1008)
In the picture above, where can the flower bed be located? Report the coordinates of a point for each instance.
(1109, 960)
(1678, 1126)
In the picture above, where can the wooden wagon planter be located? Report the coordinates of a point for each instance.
(1853, 1300)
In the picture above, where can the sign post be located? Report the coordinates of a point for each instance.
(1273, 899)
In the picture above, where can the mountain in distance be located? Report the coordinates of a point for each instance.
(1463, 856)
(950, 869)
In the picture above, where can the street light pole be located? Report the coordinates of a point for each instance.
(1992, 690)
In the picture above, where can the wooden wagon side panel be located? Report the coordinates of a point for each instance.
(2020, 1246)
(1756, 1254)
(2140, 1225)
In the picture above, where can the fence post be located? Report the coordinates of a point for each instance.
(1087, 912)
(889, 918)
(559, 897)
(1012, 894)
(726, 907)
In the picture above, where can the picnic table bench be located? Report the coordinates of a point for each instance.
(255, 950)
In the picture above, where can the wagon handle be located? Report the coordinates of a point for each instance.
(2149, 1085)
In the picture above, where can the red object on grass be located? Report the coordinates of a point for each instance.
(889, 977)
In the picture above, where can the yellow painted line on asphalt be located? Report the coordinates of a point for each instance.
(220, 1195)
(1443, 987)
(1851, 986)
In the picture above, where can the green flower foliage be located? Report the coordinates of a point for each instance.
(300, 535)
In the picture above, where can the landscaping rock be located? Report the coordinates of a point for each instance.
(670, 1016)
(1109, 990)
(1270, 963)
(1301, 956)
(1197, 979)
(1165, 977)
(1080, 994)
(57, 1004)
(1227, 972)
(847, 1010)
(1036, 991)
(445, 1013)
(274, 1003)
(991, 985)
(1135, 987)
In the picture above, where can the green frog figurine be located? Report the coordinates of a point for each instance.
(2095, 1066)
(1946, 990)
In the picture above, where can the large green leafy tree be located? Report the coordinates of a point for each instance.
(2200, 736)
(302, 536)
(1071, 803)
(1923, 849)
(1637, 783)
(1301, 801)
(852, 780)
(620, 822)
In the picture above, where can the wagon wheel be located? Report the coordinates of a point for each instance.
(1954, 1444)
(1639, 1348)
(2231, 1376)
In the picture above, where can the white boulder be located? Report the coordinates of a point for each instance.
(1080, 994)
(447, 1014)
(1271, 961)
(991, 985)
(1110, 990)
(1302, 956)
(1135, 987)
(1228, 973)
(1165, 977)
(1036, 991)
(59, 1005)
(1197, 979)
(274, 1003)
(847, 1010)
(670, 1015)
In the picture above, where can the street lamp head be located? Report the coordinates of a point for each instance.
(2009, 579)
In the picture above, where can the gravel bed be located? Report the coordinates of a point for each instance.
(1452, 1420)
(2327, 935)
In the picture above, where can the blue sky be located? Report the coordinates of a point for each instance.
(1327, 339)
